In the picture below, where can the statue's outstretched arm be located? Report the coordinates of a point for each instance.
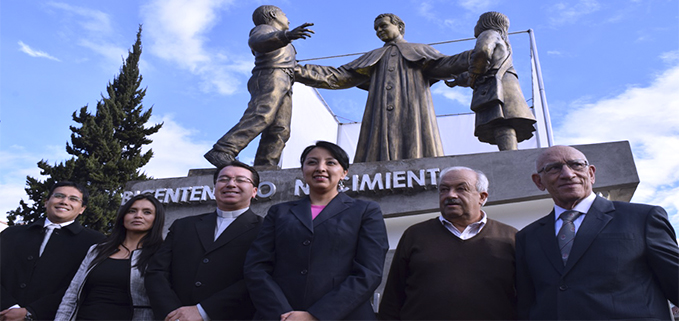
(300, 32)
(483, 55)
(449, 66)
(265, 38)
(328, 77)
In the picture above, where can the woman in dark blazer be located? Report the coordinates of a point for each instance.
(109, 284)
(320, 257)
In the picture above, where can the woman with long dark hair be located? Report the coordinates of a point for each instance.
(319, 257)
(109, 284)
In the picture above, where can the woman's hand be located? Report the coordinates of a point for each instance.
(298, 316)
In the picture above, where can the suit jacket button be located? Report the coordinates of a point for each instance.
(563, 287)
(307, 242)
(198, 283)
(22, 285)
(206, 260)
(304, 272)
(30, 257)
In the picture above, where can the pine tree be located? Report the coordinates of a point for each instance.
(106, 149)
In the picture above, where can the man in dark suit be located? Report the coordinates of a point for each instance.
(600, 259)
(198, 271)
(39, 260)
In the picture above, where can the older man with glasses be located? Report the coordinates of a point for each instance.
(198, 271)
(40, 259)
(592, 258)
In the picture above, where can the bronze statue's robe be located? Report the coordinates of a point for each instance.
(399, 121)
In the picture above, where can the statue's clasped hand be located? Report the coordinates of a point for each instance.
(462, 80)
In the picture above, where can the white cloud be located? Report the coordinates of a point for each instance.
(432, 11)
(35, 53)
(425, 9)
(458, 94)
(17, 163)
(670, 57)
(478, 6)
(645, 116)
(177, 32)
(113, 55)
(568, 13)
(94, 21)
(175, 150)
(95, 32)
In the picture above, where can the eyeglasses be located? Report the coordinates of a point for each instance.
(237, 179)
(577, 165)
(74, 199)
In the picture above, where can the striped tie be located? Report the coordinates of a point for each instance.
(567, 233)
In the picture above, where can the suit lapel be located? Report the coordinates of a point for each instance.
(302, 211)
(240, 225)
(596, 219)
(547, 237)
(338, 204)
(206, 230)
(36, 236)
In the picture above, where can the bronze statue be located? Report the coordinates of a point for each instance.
(270, 87)
(399, 120)
(502, 115)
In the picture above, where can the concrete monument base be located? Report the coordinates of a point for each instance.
(406, 189)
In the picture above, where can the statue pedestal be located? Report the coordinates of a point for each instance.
(406, 189)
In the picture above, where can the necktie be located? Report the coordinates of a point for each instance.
(567, 233)
(48, 232)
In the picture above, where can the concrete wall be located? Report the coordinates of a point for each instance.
(513, 198)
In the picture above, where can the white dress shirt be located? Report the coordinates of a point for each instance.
(470, 231)
(47, 222)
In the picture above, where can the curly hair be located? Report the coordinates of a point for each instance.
(492, 20)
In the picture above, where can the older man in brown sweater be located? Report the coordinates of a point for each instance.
(459, 266)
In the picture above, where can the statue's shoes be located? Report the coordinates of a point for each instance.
(218, 158)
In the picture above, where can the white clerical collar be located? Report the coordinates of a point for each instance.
(48, 222)
(231, 214)
(582, 207)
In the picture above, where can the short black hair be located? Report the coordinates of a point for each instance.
(255, 175)
(337, 152)
(79, 187)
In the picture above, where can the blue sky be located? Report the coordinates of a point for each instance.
(610, 67)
